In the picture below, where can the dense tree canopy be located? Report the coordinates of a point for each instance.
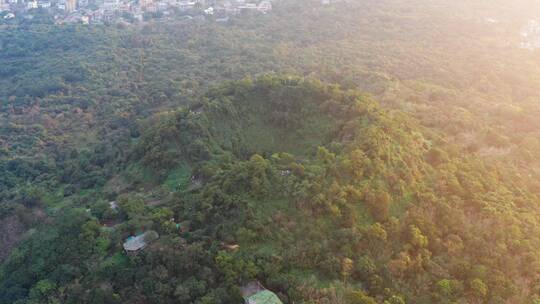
(302, 181)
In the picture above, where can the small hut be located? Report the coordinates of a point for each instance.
(255, 293)
(113, 205)
(139, 242)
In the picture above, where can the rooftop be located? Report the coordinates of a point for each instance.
(264, 297)
(134, 243)
(255, 293)
(250, 289)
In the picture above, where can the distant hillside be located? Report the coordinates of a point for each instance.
(71, 95)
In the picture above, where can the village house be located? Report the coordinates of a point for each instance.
(113, 205)
(186, 5)
(31, 5)
(71, 5)
(151, 7)
(4, 6)
(255, 293)
(264, 7)
(247, 7)
(139, 242)
(125, 7)
(162, 6)
(108, 15)
(142, 4)
(134, 243)
(110, 5)
(530, 35)
(244, 7)
(44, 4)
(138, 16)
(97, 16)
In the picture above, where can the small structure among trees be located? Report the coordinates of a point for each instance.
(136, 243)
(255, 293)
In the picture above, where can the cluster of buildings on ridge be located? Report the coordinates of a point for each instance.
(102, 11)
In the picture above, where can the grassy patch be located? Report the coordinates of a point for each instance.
(179, 179)
(139, 174)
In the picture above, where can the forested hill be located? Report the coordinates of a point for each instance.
(257, 149)
(75, 89)
(326, 195)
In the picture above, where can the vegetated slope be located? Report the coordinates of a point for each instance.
(327, 195)
(382, 206)
(71, 95)
(244, 120)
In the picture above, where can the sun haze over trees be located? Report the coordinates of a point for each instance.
(357, 152)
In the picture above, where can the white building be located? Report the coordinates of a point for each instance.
(4, 7)
(111, 5)
(138, 16)
(125, 7)
(31, 4)
(248, 6)
(162, 6)
(186, 5)
(44, 4)
(530, 35)
(264, 7)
